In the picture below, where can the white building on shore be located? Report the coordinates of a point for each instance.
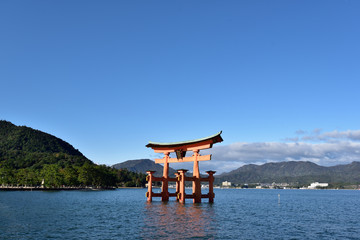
(317, 184)
(226, 184)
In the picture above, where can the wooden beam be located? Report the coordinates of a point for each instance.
(190, 179)
(157, 179)
(205, 146)
(185, 159)
(188, 147)
(204, 179)
(189, 196)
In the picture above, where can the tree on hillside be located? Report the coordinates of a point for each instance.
(7, 176)
(52, 176)
(70, 176)
(27, 177)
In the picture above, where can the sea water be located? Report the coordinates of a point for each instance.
(235, 214)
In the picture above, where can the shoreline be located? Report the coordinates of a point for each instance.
(2, 188)
(54, 189)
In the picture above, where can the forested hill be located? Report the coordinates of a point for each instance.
(293, 172)
(22, 147)
(29, 157)
(24, 138)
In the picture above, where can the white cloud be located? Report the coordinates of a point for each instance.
(326, 149)
(351, 135)
(327, 153)
(300, 132)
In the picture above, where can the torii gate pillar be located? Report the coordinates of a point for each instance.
(165, 181)
(196, 175)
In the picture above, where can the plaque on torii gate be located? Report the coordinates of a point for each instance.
(180, 149)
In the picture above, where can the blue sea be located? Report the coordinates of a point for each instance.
(235, 214)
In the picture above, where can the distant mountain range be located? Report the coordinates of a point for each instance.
(297, 172)
(294, 172)
(143, 165)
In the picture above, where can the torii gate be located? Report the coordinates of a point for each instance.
(180, 148)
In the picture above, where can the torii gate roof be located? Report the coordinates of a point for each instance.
(213, 138)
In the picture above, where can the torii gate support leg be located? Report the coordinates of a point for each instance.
(196, 182)
(211, 186)
(181, 193)
(177, 176)
(165, 181)
(149, 193)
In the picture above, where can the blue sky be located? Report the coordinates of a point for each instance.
(109, 76)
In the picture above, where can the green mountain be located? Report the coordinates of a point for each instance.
(29, 157)
(22, 147)
(143, 165)
(296, 172)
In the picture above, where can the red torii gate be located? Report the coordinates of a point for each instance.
(180, 148)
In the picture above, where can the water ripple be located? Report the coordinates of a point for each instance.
(236, 214)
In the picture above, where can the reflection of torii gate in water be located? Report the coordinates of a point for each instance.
(180, 148)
